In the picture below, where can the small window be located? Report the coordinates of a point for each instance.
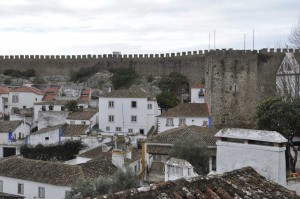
(15, 98)
(133, 104)
(107, 128)
(118, 129)
(169, 122)
(83, 122)
(111, 104)
(72, 122)
(133, 118)
(20, 188)
(46, 138)
(1, 186)
(35, 99)
(20, 135)
(130, 130)
(201, 93)
(62, 108)
(41, 192)
(43, 108)
(24, 107)
(50, 108)
(111, 118)
(5, 106)
(142, 131)
(181, 121)
(149, 106)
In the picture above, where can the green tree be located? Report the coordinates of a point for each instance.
(166, 100)
(121, 180)
(7, 81)
(123, 77)
(193, 152)
(174, 82)
(71, 105)
(281, 115)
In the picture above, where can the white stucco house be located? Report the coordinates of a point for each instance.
(47, 180)
(178, 168)
(128, 111)
(262, 150)
(23, 97)
(57, 134)
(185, 114)
(12, 135)
(198, 93)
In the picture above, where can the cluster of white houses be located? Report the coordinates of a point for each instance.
(123, 128)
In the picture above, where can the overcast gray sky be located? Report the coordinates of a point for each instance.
(140, 26)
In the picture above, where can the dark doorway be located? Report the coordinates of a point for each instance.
(7, 151)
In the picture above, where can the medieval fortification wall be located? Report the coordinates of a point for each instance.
(235, 80)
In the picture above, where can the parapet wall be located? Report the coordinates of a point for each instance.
(236, 80)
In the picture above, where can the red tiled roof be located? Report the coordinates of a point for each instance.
(52, 89)
(28, 90)
(49, 97)
(241, 183)
(86, 91)
(4, 90)
(198, 86)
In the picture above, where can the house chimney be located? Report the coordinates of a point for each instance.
(262, 150)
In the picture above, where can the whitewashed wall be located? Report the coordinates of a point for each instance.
(40, 138)
(162, 121)
(38, 108)
(51, 118)
(10, 185)
(123, 111)
(25, 99)
(269, 161)
(195, 96)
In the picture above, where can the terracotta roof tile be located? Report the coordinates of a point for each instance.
(98, 167)
(74, 130)
(96, 153)
(201, 134)
(129, 93)
(188, 110)
(4, 90)
(241, 183)
(85, 114)
(40, 171)
(86, 91)
(198, 86)
(7, 126)
(28, 90)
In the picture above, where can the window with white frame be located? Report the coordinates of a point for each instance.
(118, 129)
(1, 186)
(15, 98)
(20, 188)
(111, 118)
(133, 118)
(111, 104)
(133, 104)
(149, 106)
(41, 192)
(169, 122)
(181, 121)
(130, 130)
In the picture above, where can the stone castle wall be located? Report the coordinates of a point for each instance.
(235, 80)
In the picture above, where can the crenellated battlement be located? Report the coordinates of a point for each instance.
(145, 56)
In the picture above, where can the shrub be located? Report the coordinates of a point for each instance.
(123, 77)
(7, 81)
(17, 73)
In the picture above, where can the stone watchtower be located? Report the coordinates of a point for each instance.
(262, 150)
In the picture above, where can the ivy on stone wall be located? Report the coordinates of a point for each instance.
(62, 152)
